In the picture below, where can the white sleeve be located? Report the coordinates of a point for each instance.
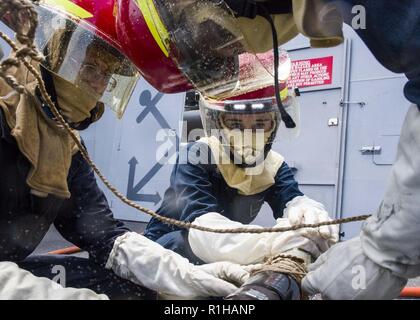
(345, 273)
(19, 284)
(245, 248)
(144, 262)
(212, 247)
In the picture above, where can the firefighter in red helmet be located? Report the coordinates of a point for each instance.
(186, 34)
(45, 180)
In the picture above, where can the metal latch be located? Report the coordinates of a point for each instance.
(360, 103)
(368, 150)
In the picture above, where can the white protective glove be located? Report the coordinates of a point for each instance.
(345, 273)
(388, 249)
(246, 248)
(144, 262)
(19, 284)
(303, 210)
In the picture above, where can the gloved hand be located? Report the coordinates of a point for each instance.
(387, 251)
(247, 248)
(19, 284)
(344, 272)
(303, 210)
(146, 263)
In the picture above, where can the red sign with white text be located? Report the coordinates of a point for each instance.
(311, 72)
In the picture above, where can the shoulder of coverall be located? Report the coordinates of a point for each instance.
(319, 21)
(195, 153)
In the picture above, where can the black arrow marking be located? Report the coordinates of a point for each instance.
(154, 198)
(133, 190)
(150, 104)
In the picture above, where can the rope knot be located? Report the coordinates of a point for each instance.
(286, 264)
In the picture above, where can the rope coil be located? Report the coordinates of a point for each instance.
(287, 264)
(29, 50)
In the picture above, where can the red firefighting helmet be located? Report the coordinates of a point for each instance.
(180, 45)
(80, 42)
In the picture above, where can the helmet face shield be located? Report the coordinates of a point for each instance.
(246, 129)
(204, 39)
(80, 56)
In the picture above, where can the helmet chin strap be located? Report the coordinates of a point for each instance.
(251, 9)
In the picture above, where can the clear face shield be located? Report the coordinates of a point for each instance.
(245, 129)
(82, 62)
(208, 46)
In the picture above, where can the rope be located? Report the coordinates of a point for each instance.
(22, 10)
(287, 264)
(29, 50)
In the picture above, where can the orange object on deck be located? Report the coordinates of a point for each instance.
(410, 292)
(69, 250)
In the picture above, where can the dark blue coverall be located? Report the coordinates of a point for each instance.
(197, 189)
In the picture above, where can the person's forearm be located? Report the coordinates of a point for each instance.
(144, 262)
(247, 248)
(19, 284)
(391, 237)
(211, 247)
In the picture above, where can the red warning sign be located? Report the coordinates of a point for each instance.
(311, 72)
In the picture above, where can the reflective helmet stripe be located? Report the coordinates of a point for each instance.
(284, 93)
(69, 7)
(155, 24)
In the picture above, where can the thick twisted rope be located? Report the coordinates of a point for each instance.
(290, 265)
(29, 50)
(16, 9)
(287, 264)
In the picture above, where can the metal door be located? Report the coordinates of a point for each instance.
(372, 140)
(315, 154)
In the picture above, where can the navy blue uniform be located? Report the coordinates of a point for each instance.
(84, 220)
(197, 189)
